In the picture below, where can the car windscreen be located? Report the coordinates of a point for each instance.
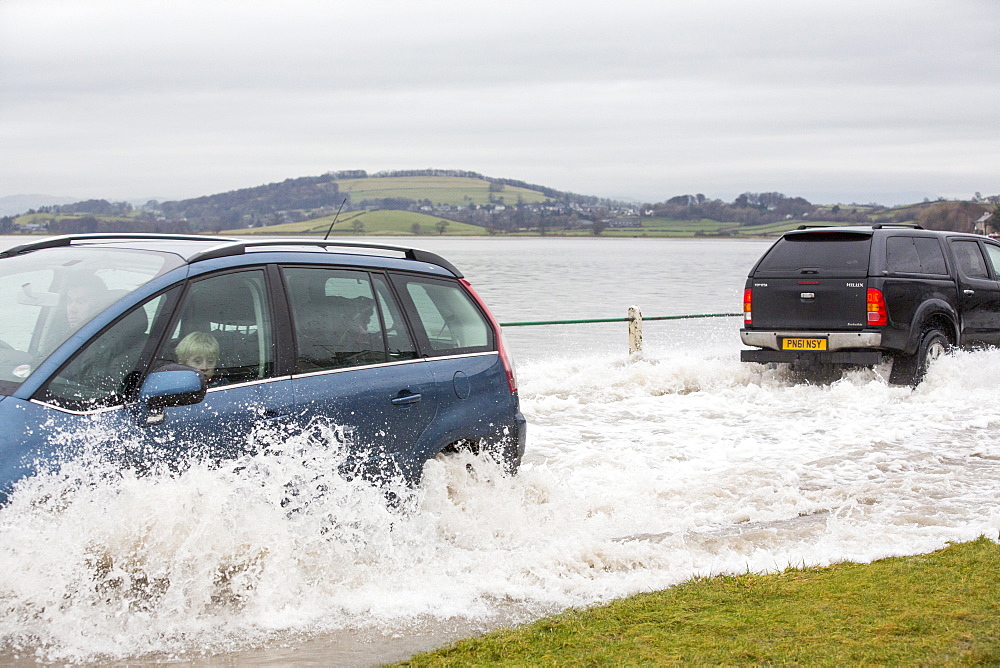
(829, 253)
(50, 294)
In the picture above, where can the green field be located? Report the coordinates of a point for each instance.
(934, 609)
(453, 190)
(36, 218)
(372, 223)
(664, 227)
(400, 223)
(386, 222)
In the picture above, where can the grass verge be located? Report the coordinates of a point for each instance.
(939, 608)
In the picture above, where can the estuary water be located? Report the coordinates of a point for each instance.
(641, 472)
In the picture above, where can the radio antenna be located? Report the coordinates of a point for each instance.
(327, 236)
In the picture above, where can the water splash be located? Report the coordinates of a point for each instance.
(640, 473)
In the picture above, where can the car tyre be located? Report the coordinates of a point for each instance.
(910, 369)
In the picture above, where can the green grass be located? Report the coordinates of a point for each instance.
(665, 227)
(383, 222)
(662, 227)
(776, 229)
(657, 227)
(457, 191)
(29, 218)
(400, 223)
(940, 608)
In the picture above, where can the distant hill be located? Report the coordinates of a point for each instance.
(437, 190)
(421, 202)
(312, 197)
(253, 207)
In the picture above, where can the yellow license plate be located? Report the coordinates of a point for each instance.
(803, 344)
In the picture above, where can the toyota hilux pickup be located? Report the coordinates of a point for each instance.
(827, 297)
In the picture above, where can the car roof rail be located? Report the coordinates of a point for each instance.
(239, 247)
(68, 239)
(912, 226)
(813, 227)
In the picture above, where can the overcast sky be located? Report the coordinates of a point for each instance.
(833, 100)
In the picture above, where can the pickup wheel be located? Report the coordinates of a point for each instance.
(910, 369)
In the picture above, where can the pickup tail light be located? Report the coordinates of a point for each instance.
(748, 307)
(508, 365)
(877, 313)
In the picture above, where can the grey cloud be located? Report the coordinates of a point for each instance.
(196, 97)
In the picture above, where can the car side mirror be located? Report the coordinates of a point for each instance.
(173, 385)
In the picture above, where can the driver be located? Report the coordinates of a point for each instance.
(84, 298)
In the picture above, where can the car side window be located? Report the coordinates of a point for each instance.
(993, 251)
(970, 259)
(338, 320)
(103, 373)
(931, 256)
(449, 319)
(223, 328)
(914, 255)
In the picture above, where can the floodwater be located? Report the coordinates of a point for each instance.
(641, 472)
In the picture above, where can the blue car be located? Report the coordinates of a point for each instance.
(185, 346)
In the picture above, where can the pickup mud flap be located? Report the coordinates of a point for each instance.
(859, 358)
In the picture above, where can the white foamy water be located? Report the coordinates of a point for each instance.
(640, 473)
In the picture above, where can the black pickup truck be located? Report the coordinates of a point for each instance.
(823, 297)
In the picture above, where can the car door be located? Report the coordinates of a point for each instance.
(89, 406)
(458, 341)
(356, 365)
(993, 257)
(248, 404)
(979, 294)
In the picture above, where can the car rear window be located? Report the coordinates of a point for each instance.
(450, 321)
(824, 253)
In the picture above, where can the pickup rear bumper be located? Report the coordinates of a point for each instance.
(861, 348)
(834, 340)
(855, 357)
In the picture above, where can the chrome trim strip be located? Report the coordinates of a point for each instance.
(834, 340)
(96, 411)
(455, 357)
(260, 381)
(418, 360)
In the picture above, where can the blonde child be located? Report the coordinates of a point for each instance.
(201, 351)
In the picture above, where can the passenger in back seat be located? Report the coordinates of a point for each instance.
(352, 329)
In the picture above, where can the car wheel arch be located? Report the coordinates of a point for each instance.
(933, 314)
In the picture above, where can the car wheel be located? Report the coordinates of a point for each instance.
(910, 369)
(503, 453)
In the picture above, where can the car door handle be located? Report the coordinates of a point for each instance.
(968, 292)
(405, 398)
